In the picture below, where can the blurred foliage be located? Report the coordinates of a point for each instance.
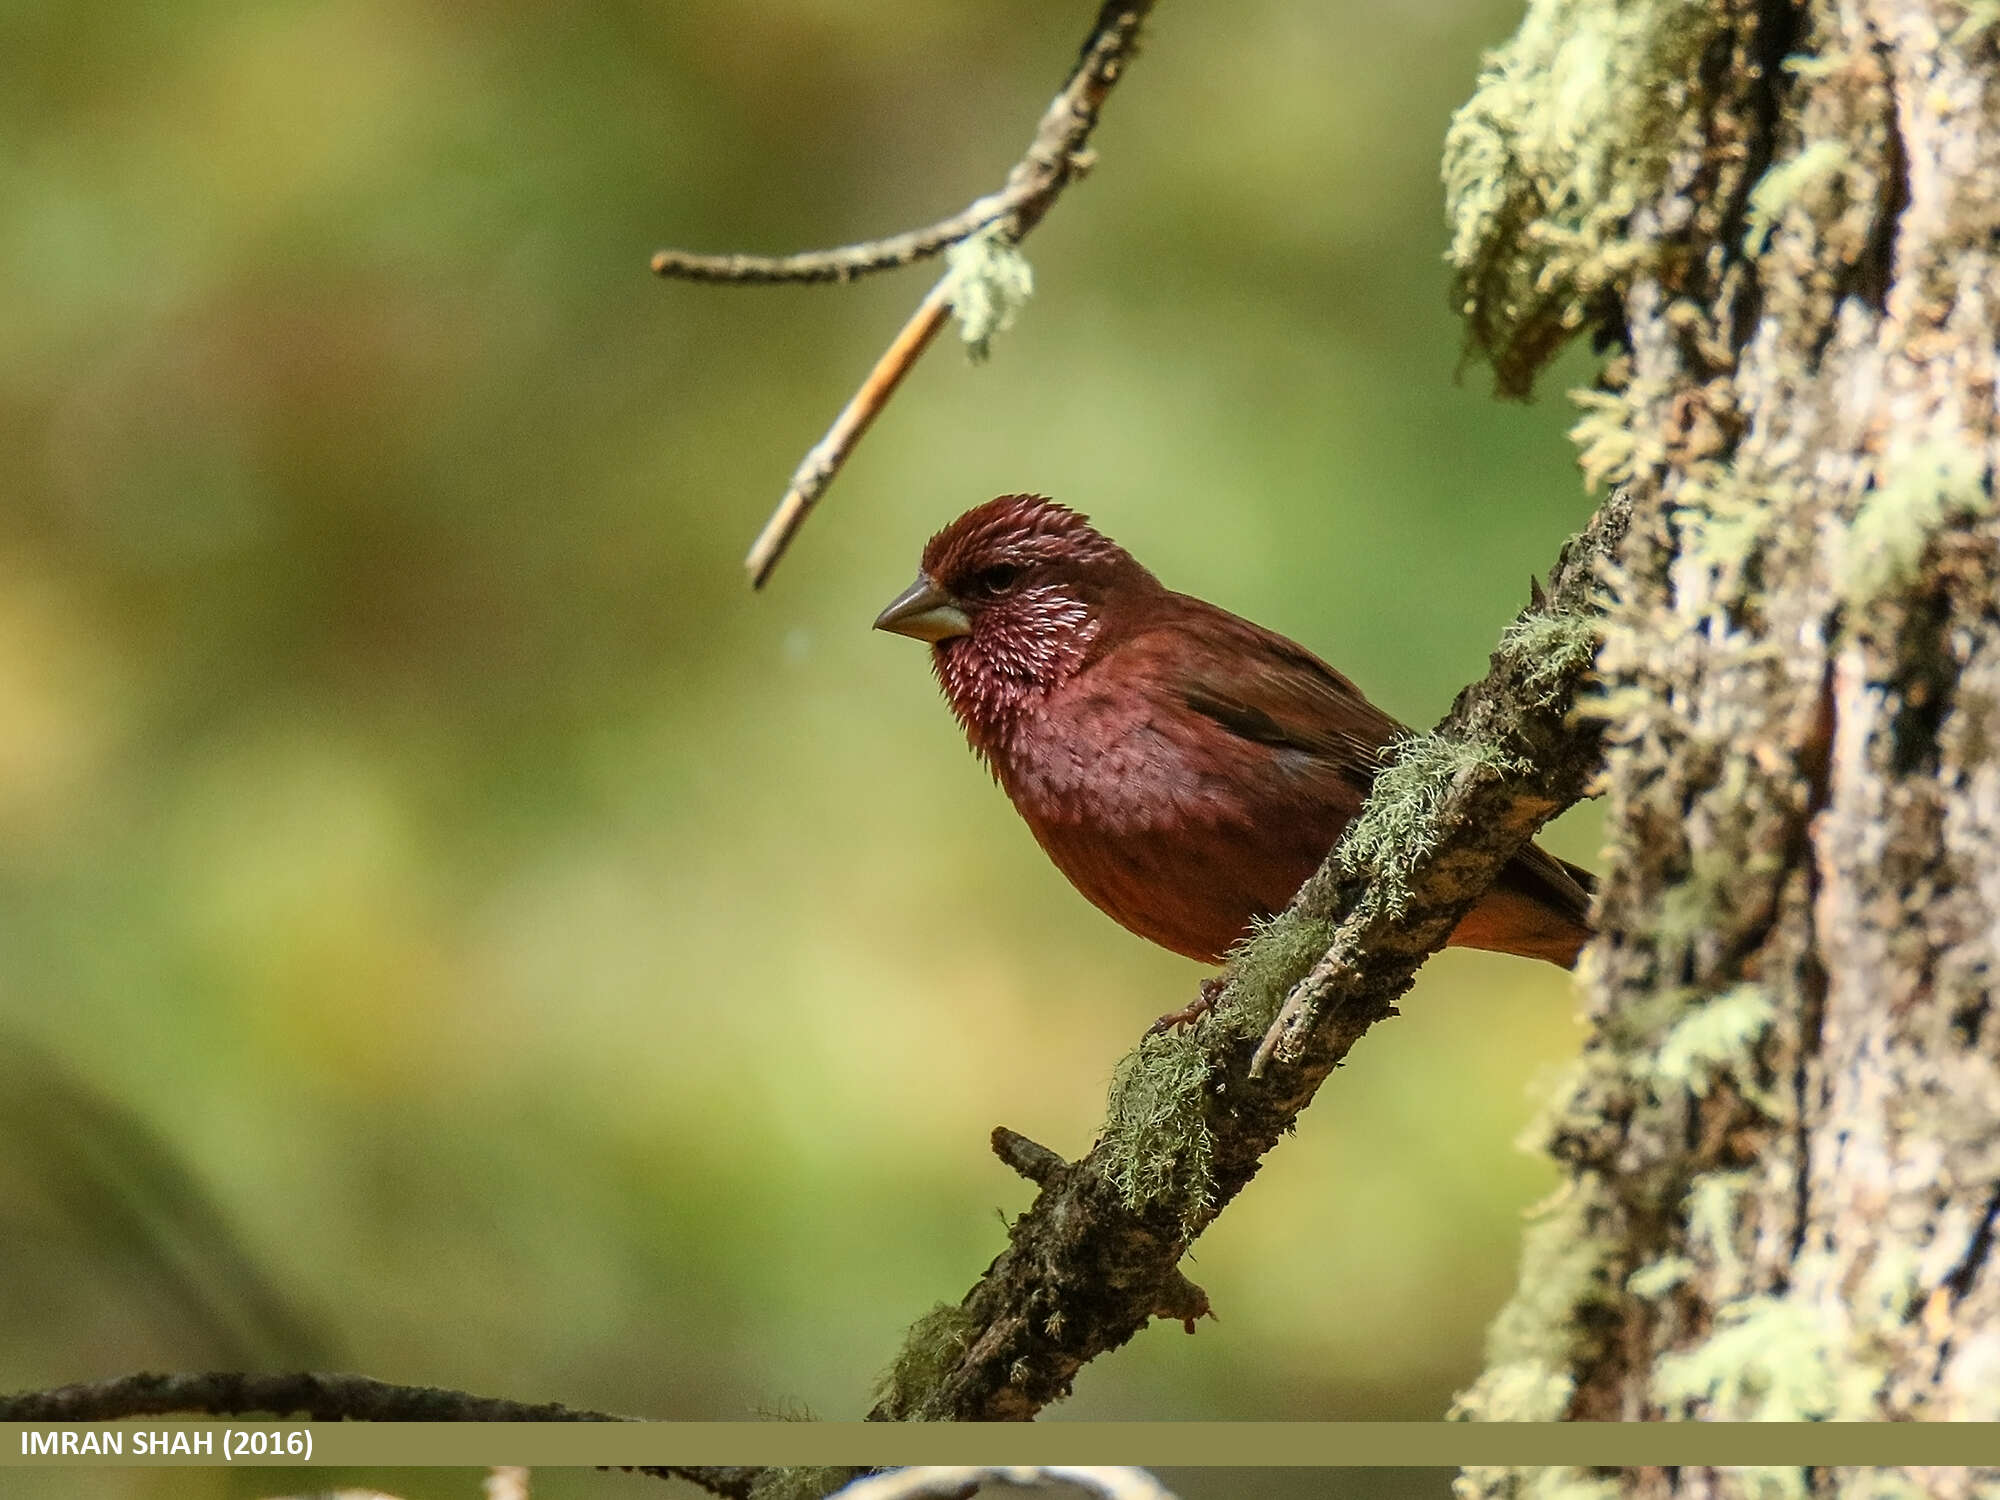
(568, 975)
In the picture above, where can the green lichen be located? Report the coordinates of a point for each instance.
(1551, 649)
(931, 1350)
(1656, 1278)
(1890, 1289)
(1979, 18)
(1724, 517)
(1719, 1038)
(1725, 532)
(1713, 1207)
(1616, 705)
(1158, 1147)
(1568, 132)
(1784, 1357)
(1785, 184)
(1815, 64)
(991, 281)
(1157, 1142)
(1694, 907)
(1928, 485)
(1399, 826)
(1265, 966)
(1567, 1268)
(1606, 446)
(800, 1483)
(1767, 1359)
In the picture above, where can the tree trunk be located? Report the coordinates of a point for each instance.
(1782, 1141)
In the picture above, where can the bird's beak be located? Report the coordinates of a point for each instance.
(924, 612)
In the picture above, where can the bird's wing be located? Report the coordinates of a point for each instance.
(1270, 691)
(1553, 882)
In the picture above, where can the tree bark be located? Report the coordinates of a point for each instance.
(1782, 1141)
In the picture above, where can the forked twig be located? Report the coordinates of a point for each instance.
(1055, 158)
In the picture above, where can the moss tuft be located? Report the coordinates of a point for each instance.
(1980, 17)
(1568, 132)
(1551, 648)
(931, 1350)
(1607, 448)
(1567, 1269)
(1398, 826)
(1156, 1136)
(1714, 1210)
(1265, 966)
(1786, 183)
(1719, 1038)
(1935, 482)
(1656, 1278)
(1157, 1141)
(1767, 1359)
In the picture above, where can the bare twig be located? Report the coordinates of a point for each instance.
(849, 261)
(1055, 157)
(1052, 161)
(818, 468)
(1031, 1159)
(323, 1398)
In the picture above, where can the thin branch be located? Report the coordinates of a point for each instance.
(1056, 157)
(817, 469)
(849, 261)
(322, 1398)
(1085, 1269)
(1031, 1159)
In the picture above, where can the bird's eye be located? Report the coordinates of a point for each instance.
(998, 578)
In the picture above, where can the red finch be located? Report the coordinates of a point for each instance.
(1186, 769)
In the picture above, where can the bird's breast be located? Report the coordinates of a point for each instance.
(1175, 829)
(1113, 767)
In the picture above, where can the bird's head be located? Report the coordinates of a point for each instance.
(1013, 596)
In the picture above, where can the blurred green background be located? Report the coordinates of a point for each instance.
(449, 927)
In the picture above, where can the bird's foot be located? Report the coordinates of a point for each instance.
(1193, 1011)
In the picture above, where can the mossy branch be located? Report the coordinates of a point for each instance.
(1096, 1256)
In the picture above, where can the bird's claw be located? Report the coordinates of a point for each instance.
(1193, 1011)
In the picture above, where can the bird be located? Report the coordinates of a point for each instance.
(1186, 769)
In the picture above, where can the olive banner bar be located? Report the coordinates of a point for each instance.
(1199, 1444)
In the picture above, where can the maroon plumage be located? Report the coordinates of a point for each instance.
(1186, 769)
